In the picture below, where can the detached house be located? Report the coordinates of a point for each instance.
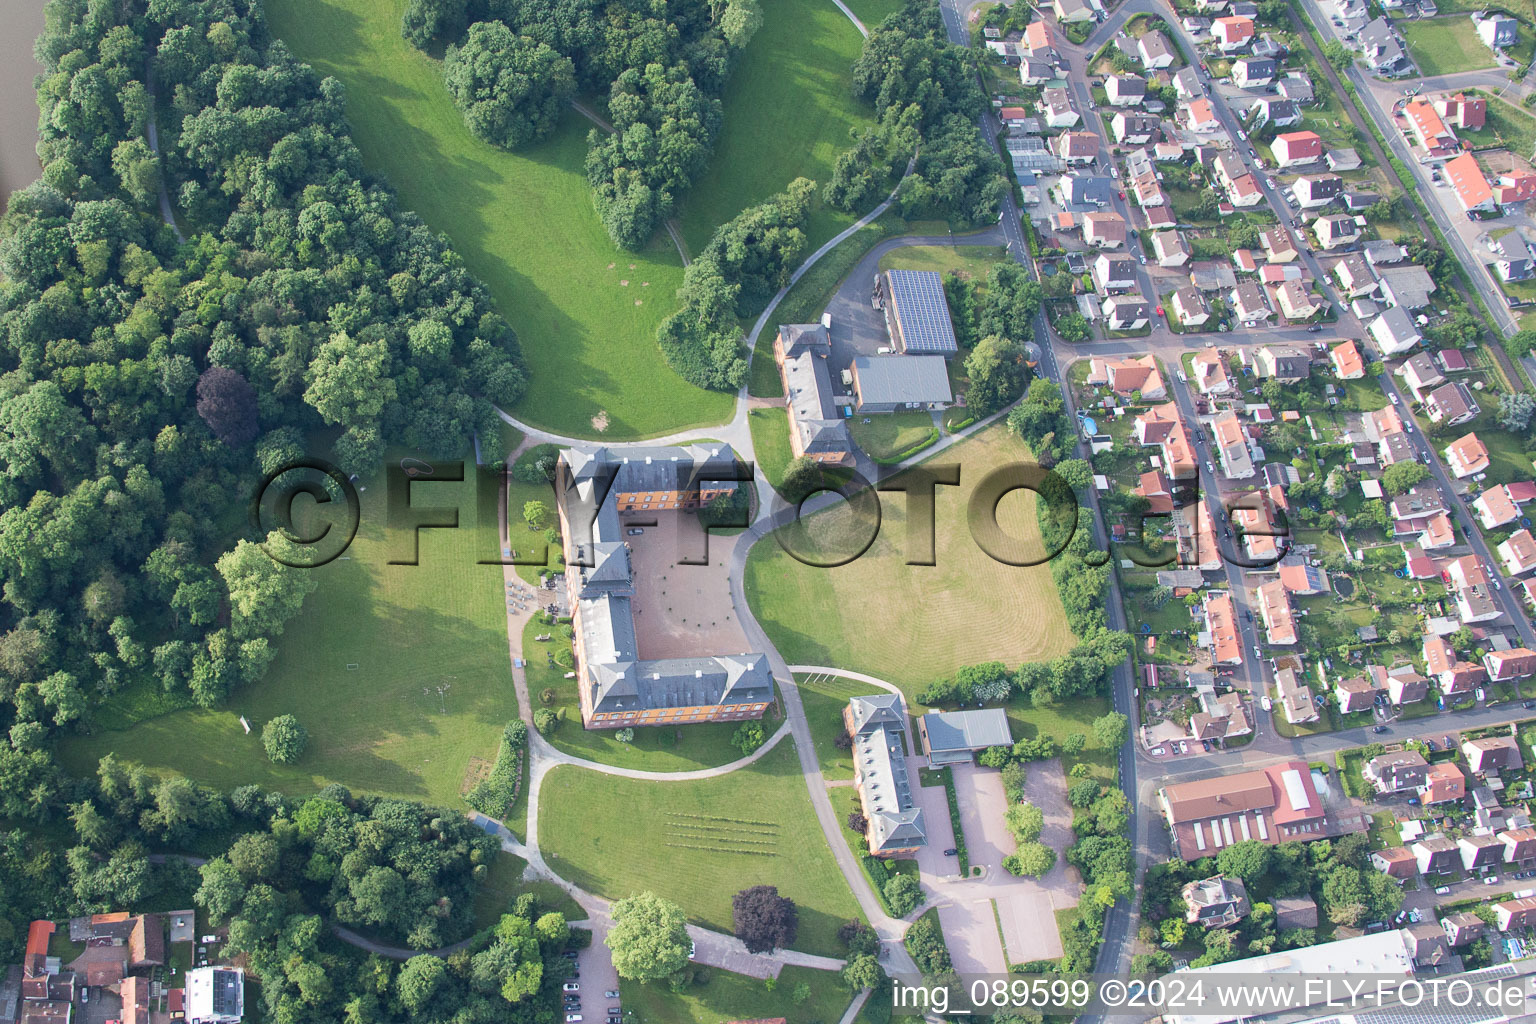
(1295, 148)
(1232, 33)
(1394, 331)
(1104, 229)
(1518, 554)
(1155, 50)
(1335, 231)
(1191, 308)
(1133, 129)
(1113, 273)
(1317, 190)
(1451, 404)
(1492, 753)
(1215, 902)
(1467, 456)
(1171, 249)
(1254, 72)
(1503, 666)
(1348, 364)
(1126, 313)
(1288, 364)
(1125, 90)
(1248, 304)
(1401, 772)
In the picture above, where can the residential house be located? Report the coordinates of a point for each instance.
(1297, 88)
(1289, 364)
(1295, 696)
(1342, 160)
(1519, 846)
(1296, 301)
(1126, 312)
(1232, 446)
(1514, 187)
(1272, 805)
(1221, 623)
(1355, 693)
(1495, 507)
(1155, 50)
(1200, 116)
(1104, 230)
(1248, 304)
(1128, 376)
(895, 825)
(1293, 149)
(1186, 82)
(1298, 576)
(1451, 404)
(1279, 113)
(1113, 273)
(1254, 72)
(1516, 268)
(1394, 331)
(1348, 364)
(1335, 231)
(1170, 249)
(1517, 914)
(1125, 90)
(1312, 191)
(1034, 71)
(1497, 30)
(1220, 718)
(1278, 246)
(1193, 311)
(1131, 129)
(1217, 902)
(1403, 683)
(1162, 427)
(1437, 855)
(1076, 149)
(1244, 191)
(1056, 108)
(1467, 456)
(1421, 374)
(1443, 783)
(1518, 553)
(1480, 852)
(1232, 33)
(1516, 663)
(1463, 927)
(1491, 754)
(1041, 41)
(1068, 11)
(1434, 139)
(1472, 189)
(1407, 286)
(1382, 50)
(1395, 862)
(1400, 772)
(1278, 614)
(1462, 111)
(1354, 275)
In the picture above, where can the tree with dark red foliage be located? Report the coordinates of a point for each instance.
(763, 919)
(227, 403)
(857, 822)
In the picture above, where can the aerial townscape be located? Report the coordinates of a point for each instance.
(743, 511)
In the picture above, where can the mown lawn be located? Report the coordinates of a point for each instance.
(907, 623)
(524, 222)
(504, 884)
(968, 261)
(1442, 46)
(699, 843)
(789, 111)
(656, 748)
(824, 698)
(728, 996)
(1506, 126)
(770, 443)
(886, 435)
(399, 672)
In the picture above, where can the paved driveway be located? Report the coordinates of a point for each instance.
(931, 862)
(681, 609)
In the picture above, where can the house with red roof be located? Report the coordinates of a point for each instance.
(1233, 32)
(1463, 111)
(1347, 361)
(1516, 663)
(1518, 553)
(1467, 456)
(1472, 190)
(1295, 148)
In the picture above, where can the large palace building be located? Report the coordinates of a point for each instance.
(618, 689)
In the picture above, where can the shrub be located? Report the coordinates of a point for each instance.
(546, 721)
(903, 895)
(1030, 860)
(495, 793)
(748, 737)
(284, 739)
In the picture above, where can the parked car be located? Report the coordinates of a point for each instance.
(1442, 890)
(692, 949)
(1266, 703)
(634, 531)
(1491, 880)
(1379, 728)
(952, 852)
(1394, 399)
(1480, 694)
(612, 993)
(571, 986)
(573, 1018)
(1448, 743)
(1315, 329)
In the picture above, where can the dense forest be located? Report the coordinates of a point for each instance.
(662, 66)
(146, 383)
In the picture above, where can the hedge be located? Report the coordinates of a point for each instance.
(495, 793)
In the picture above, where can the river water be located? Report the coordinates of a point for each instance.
(20, 23)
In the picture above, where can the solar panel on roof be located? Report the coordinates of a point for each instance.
(921, 311)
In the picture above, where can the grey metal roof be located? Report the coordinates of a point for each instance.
(811, 397)
(894, 380)
(921, 311)
(967, 730)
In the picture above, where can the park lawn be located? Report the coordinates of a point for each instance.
(908, 624)
(972, 262)
(1442, 46)
(789, 110)
(1027, 721)
(728, 996)
(586, 312)
(655, 748)
(770, 443)
(872, 12)
(824, 697)
(361, 667)
(700, 842)
(889, 434)
(504, 883)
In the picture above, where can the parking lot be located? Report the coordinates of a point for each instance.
(597, 984)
